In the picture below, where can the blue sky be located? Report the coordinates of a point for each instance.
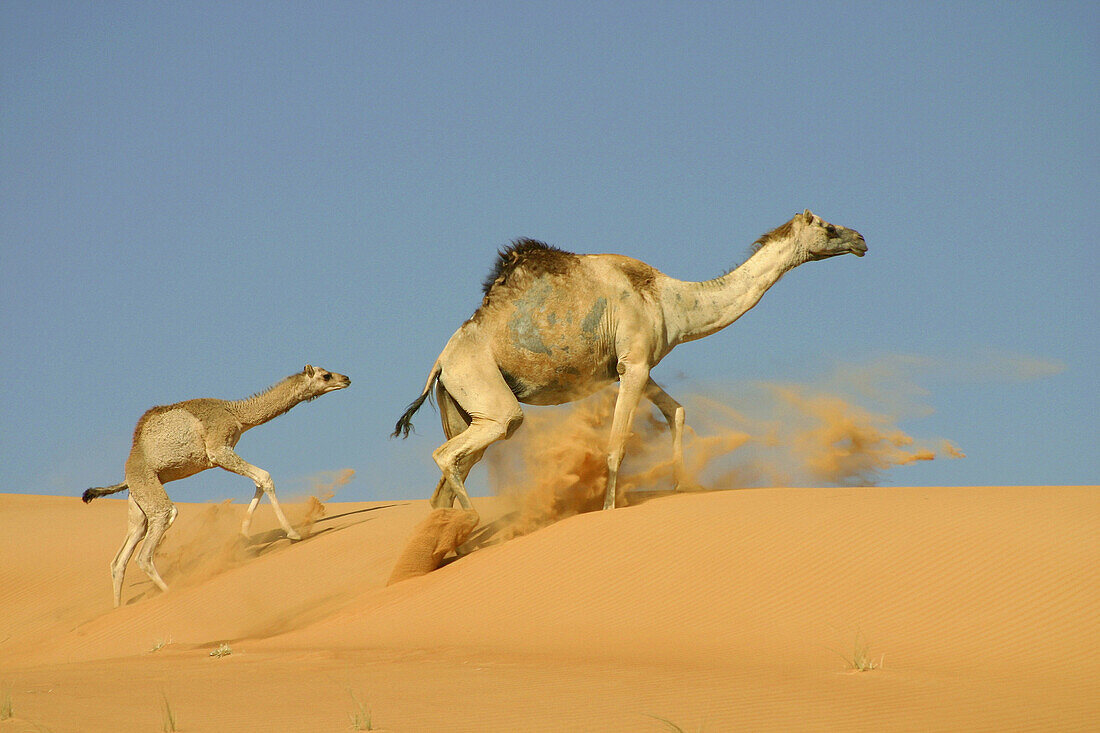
(196, 199)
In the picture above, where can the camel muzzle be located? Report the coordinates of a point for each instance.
(859, 246)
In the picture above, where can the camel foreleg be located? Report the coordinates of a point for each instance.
(632, 384)
(225, 457)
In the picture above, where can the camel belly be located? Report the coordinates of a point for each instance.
(558, 373)
(556, 390)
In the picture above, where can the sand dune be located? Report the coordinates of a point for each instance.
(735, 610)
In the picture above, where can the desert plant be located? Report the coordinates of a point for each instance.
(6, 710)
(222, 650)
(361, 718)
(160, 644)
(860, 659)
(168, 716)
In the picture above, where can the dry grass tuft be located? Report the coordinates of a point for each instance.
(6, 710)
(222, 650)
(860, 659)
(361, 718)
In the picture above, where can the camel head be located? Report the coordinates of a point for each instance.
(823, 240)
(319, 381)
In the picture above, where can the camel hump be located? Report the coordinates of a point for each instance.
(533, 257)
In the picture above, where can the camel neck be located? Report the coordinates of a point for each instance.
(698, 309)
(269, 404)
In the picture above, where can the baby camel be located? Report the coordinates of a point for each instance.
(555, 327)
(176, 441)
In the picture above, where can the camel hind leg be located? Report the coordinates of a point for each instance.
(455, 421)
(474, 383)
(147, 491)
(136, 525)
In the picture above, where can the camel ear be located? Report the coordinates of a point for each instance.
(308, 371)
(808, 216)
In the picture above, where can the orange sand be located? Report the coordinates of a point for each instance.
(717, 611)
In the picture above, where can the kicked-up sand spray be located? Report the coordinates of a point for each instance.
(211, 544)
(323, 487)
(785, 435)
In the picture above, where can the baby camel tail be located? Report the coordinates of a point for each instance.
(176, 441)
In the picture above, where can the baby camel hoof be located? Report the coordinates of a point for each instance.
(292, 535)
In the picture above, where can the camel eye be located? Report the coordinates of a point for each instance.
(327, 377)
(831, 230)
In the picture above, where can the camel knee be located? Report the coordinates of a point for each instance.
(451, 455)
(441, 457)
(264, 482)
(512, 422)
(448, 457)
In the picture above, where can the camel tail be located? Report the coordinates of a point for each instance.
(404, 425)
(104, 491)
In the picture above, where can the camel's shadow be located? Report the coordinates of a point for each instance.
(274, 539)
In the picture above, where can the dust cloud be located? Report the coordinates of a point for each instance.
(196, 549)
(322, 487)
(738, 436)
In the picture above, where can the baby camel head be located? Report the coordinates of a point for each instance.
(318, 381)
(810, 238)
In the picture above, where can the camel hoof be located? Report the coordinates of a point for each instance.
(292, 535)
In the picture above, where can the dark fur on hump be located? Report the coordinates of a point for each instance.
(535, 257)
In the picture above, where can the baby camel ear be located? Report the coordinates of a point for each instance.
(808, 216)
(308, 371)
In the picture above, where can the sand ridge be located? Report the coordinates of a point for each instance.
(721, 610)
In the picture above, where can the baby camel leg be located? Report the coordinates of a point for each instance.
(148, 493)
(494, 414)
(134, 533)
(226, 458)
